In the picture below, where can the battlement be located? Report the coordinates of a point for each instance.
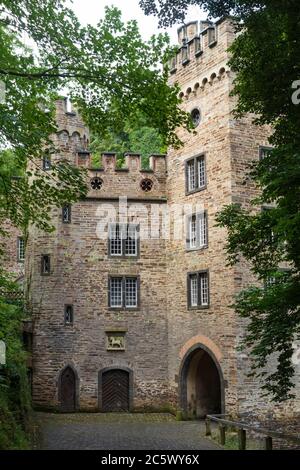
(132, 181)
(108, 181)
(202, 51)
(133, 163)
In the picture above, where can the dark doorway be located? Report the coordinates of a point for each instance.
(201, 385)
(115, 391)
(68, 390)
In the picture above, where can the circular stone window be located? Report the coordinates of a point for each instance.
(96, 183)
(196, 116)
(146, 185)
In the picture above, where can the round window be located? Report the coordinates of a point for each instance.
(146, 185)
(96, 183)
(196, 116)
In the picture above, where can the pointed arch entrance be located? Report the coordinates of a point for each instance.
(67, 391)
(201, 383)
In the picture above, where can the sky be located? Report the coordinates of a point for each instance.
(90, 11)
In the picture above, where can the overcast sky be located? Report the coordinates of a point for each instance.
(90, 11)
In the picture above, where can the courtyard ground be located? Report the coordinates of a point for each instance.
(116, 431)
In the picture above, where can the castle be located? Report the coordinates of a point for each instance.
(131, 294)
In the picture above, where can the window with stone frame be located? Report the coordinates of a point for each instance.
(195, 174)
(185, 54)
(124, 292)
(46, 162)
(264, 151)
(198, 46)
(212, 35)
(197, 231)
(69, 314)
(45, 265)
(124, 240)
(21, 249)
(266, 211)
(66, 214)
(198, 289)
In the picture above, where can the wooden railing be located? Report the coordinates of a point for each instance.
(242, 427)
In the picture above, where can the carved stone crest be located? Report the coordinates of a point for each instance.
(115, 342)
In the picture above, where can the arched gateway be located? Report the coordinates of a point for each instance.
(201, 383)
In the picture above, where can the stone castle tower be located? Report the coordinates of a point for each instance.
(134, 313)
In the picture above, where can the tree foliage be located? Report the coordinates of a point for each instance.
(266, 59)
(15, 402)
(112, 74)
(139, 138)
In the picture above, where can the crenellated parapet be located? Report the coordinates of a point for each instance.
(132, 181)
(201, 60)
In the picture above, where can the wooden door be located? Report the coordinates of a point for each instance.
(68, 390)
(115, 391)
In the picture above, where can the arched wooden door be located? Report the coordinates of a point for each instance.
(68, 390)
(115, 391)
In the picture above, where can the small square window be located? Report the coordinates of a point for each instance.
(45, 265)
(69, 315)
(21, 249)
(66, 214)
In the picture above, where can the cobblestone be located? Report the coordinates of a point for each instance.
(120, 432)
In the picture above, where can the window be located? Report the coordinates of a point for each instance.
(21, 249)
(281, 275)
(46, 162)
(116, 292)
(198, 49)
(68, 314)
(196, 116)
(130, 292)
(66, 214)
(268, 223)
(45, 264)
(96, 183)
(195, 174)
(123, 292)
(212, 36)
(264, 152)
(197, 231)
(146, 185)
(123, 240)
(185, 55)
(173, 64)
(198, 290)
